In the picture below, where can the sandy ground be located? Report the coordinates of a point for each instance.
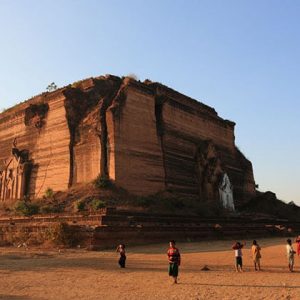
(80, 274)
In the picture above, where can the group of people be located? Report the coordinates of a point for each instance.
(256, 256)
(174, 256)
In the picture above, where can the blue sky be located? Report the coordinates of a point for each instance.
(240, 57)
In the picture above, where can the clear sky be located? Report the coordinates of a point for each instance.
(240, 57)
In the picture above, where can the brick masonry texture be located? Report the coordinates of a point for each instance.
(144, 136)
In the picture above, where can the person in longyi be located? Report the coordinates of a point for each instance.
(256, 256)
(174, 260)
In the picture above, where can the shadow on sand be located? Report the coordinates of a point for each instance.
(15, 297)
(243, 285)
(16, 263)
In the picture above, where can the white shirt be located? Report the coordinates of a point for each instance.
(238, 252)
(289, 251)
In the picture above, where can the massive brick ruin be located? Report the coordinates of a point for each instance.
(144, 136)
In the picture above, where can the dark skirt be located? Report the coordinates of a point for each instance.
(173, 269)
(122, 261)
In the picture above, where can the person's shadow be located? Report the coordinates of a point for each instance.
(14, 297)
(244, 285)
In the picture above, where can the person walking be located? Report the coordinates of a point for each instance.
(122, 259)
(256, 256)
(290, 254)
(237, 247)
(174, 260)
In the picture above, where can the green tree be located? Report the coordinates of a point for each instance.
(51, 87)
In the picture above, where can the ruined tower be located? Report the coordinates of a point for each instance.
(144, 136)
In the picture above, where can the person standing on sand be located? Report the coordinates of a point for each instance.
(122, 259)
(174, 260)
(256, 256)
(298, 244)
(290, 254)
(237, 247)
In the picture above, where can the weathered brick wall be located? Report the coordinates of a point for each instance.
(138, 156)
(107, 230)
(144, 136)
(184, 120)
(51, 153)
(87, 155)
(155, 143)
(48, 146)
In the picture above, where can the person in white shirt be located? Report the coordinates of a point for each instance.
(290, 254)
(237, 247)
